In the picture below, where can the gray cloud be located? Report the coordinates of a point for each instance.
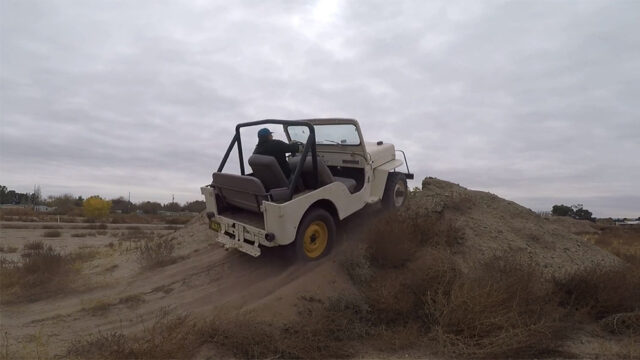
(532, 100)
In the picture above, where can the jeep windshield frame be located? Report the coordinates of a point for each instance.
(340, 134)
(309, 149)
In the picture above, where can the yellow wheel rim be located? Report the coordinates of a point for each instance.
(315, 239)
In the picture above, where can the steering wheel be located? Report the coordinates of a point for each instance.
(300, 145)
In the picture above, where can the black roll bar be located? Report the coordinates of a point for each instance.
(310, 146)
(409, 175)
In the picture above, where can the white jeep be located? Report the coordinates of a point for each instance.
(336, 174)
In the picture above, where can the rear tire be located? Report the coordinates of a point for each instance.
(395, 191)
(315, 236)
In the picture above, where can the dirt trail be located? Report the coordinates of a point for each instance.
(209, 279)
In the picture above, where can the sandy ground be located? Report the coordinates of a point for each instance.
(208, 279)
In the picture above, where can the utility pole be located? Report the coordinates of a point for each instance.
(173, 198)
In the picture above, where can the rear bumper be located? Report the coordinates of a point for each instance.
(229, 243)
(239, 236)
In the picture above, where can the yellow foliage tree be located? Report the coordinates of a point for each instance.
(95, 207)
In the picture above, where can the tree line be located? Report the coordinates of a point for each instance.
(69, 203)
(576, 211)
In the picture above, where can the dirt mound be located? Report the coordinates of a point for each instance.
(495, 226)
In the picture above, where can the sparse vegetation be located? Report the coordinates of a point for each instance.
(41, 272)
(156, 253)
(622, 242)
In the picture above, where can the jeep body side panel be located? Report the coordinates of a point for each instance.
(380, 179)
(283, 219)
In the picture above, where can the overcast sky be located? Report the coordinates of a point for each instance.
(536, 101)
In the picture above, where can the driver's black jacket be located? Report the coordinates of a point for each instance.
(278, 149)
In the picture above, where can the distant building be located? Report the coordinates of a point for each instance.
(628, 223)
(43, 208)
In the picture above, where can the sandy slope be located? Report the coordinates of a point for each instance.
(209, 279)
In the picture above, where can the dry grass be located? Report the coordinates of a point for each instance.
(393, 241)
(11, 212)
(622, 242)
(325, 330)
(413, 286)
(41, 272)
(169, 336)
(600, 293)
(156, 253)
(412, 295)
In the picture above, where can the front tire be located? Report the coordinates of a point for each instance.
(316, 235)
(395, 191)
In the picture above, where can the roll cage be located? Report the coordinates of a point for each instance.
(309, 147)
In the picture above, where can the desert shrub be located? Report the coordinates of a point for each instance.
(34, 245)
(42, 271)
(156, 253)
(622, 242)
(95, 207)
(601, 292)
(395, 237)
(414, 286)
(51, 227)
(52, 233)
(169, 336)
(504, 308)
(325, 330)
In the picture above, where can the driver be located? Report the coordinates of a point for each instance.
(276, 148)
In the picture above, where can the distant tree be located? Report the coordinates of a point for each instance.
(12, 197)
(149, 207)
(575, 211)
(95, 207)
(195, 206)
(63, 204)
(583, 214)
(79, 201)
(172, 206)
(561, 210)
(122, 205)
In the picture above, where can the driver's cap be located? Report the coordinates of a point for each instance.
(264, 132)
